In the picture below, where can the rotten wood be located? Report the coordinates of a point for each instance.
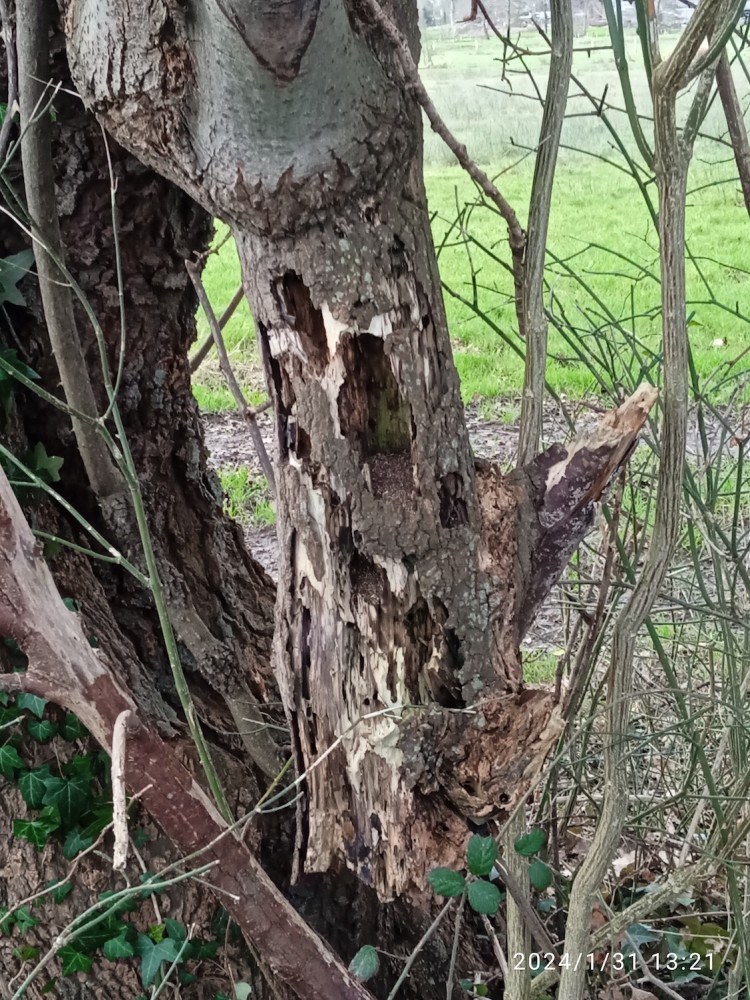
(65, 669)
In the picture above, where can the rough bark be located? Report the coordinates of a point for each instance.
(220, 598)
(63, 667)
(407, 577)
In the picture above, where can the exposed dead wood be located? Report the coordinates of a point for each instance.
(64, 668)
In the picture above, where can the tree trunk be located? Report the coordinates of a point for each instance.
(407, 576)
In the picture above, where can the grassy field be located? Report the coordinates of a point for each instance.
(602, 276)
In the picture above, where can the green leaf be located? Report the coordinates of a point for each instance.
(70, 797)
(32, 703)
(481, 855)
(118, 947)
(75, 842)
(41, 729)
(446, 882)
(530, 843)
(12, 270)
(24, 920)
(10, 761)
(186, 978)
(157, 932)
(140, 837)
(47, 467)
(9, 715)
(242, 991)
(36, 831)
(74, 960)
(60, 890)
(175, 930)
(540, 875)
(153, 954)
(26, 953)
(365, 963)
(6, 922)
(49, 986)
(33, 786)
(72, 729)
(484, 897)
(202, 949)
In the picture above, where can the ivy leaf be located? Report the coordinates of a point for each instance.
(26, 953)
(41, 729)
(36, 831)
(153, 954)
(74, 960)
(365, 963)
(12, 270)
(446, 882)
(118, 947)
(60, 890)
(75, 842)
(24, 920)
(530, 843)
(201, 949)
(47, 467)
(70, 797)
(32, 703)
(72, 729)
(242, 991)
(33, 786)
(484, 897)
(175, 929)
(6, 922)
(540, 875)
(481, 855)
(186, 978)
(10, 761)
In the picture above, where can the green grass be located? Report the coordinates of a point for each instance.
(246, 498)
(215, 398)
(611, 303)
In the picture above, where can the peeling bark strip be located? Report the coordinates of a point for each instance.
(65, 669)
(407, 577)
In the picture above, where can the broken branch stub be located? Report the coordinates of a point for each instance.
(65, 669)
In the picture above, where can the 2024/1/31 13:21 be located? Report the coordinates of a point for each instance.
(616, 961)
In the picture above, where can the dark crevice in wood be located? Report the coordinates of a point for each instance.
(372, 411)
(306, 320)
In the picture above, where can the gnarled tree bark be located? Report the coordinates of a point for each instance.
(407, 576)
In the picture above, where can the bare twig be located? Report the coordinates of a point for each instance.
(119, 798)
(535, 316)
(242, 405)
(12, 71)
(200, 355)
(736, 124)
(32, 28)
(410, 72)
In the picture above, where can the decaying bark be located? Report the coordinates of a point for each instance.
(407, 576)
(66, 669)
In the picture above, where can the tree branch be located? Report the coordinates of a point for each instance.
(12, 71)
(735, 123)
(64, 668)
(32, 26)
(535, 317)
(410, 72)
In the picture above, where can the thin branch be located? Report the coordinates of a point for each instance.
(535, 317)
(12, 71)
(32, 26)
(736, 124)
(200, 355)
(119, 798)
(410, 72)
(226, 368)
